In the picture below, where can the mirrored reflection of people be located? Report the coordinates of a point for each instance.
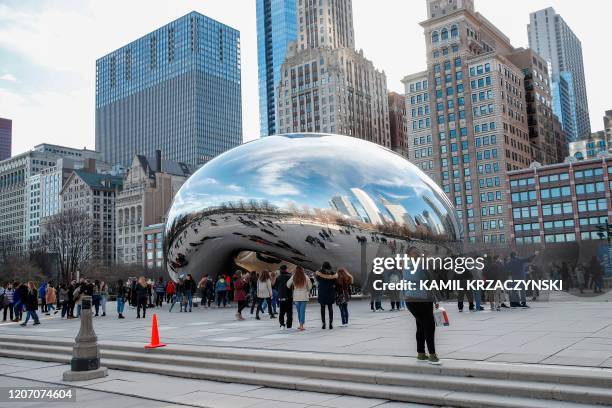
(326, 292)
(421, 303)
(343, 294)
(301, 286)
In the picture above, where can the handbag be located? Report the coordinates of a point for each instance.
(441, 317)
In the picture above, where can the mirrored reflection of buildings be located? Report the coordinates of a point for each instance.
(177, 89)
(149, 186)
(343, 205)
(326, 85)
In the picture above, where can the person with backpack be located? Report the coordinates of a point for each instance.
(221, 291)
(326, 292)
(343, 294)
(300, 285)
(285, 297)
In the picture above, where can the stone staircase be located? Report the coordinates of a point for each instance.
(456, 383)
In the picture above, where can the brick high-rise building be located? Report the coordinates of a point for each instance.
(470, 113)
(325, 84)
(397, 122)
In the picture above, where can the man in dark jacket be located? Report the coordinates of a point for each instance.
(516, 266)
(285, 297)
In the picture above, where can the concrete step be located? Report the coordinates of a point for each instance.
(513, 388)
(586, 376)
(434, 396)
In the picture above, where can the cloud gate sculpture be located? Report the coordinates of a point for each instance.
(302, 199)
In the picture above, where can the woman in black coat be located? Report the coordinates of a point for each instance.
(31, 304)
(326, 292)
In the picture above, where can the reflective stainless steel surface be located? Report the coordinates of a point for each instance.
(305, 199)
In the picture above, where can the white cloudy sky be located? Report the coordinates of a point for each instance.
(48, 50)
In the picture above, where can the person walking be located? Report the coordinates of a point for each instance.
(240, 292)
(579, 272)
(421, 304)
(21, 293)
(264, 293)
(394, 295)
(160, 292)
(516, 266)
(31, 304)
(285, 297)
(202, 289)
(343, 294)
(42, 292)
(121, 296)
(221, 291)
(170, 292)
(7, 301)
(326, 292)
(253, 290)
(300, 284)
(50, 299)
(141, 297)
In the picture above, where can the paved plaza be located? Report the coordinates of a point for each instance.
(562, 331)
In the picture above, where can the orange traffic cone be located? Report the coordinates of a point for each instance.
(154, 335)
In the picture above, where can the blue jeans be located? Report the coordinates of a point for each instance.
(95, 299)
(188, 302)
(33, 314)
(18, 309)
(64, 308)
(274, 300)
(120, 305)
(177, 298)
(477, 299)
(301, 311)
(344, 314)
(78, 310)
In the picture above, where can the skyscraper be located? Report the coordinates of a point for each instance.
(551, 37)
(276, 28)
(6, 137)
(176, 89)
(467, 117)
(397, 122)
(325, 84)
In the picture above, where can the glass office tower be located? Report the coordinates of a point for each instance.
(276, 27)
(176, 89)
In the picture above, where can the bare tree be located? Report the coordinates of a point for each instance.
(69, 237)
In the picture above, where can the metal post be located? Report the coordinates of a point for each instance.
(85, 363)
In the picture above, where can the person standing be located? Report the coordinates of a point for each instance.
(301, 286)
(202, 289)
(121, 296)
(50, 299)
(190, 289)
(421, 304)
(141, 297)
(285, 297)
(326, 292)
(264, 293)
(96, 298)
(170, 291)
(7, 304)
(343, 294)
(221, 291)
(160, 292)
(253, 290)
(178, 296)
(240, 292)
(70, 288)
(31, 304)
(21, 291)
(62, 297)
(596, 272)
(516, 266)
(42, 293)
(103, 296)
